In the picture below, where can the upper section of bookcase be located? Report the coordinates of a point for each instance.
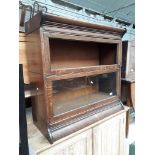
(41, 19)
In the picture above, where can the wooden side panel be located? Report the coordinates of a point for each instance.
(108, 137)
(80, 144)
(39, 104)
(34, 59)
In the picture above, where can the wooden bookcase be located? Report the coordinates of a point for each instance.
(75, 68)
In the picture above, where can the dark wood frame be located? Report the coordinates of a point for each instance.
(43, 27)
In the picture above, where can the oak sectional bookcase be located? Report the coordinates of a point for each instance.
(75, 69)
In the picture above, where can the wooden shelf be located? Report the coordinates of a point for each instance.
(65, 73)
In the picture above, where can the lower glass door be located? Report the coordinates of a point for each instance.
(74, 93)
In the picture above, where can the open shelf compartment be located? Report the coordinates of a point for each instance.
(65, 54)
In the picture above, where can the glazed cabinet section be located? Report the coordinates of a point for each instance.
(73, 93)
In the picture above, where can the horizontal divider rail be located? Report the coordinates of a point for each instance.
(65, 73)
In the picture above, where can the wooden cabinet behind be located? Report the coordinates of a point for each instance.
(128, 76)
(128, 59)
(23, 57)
